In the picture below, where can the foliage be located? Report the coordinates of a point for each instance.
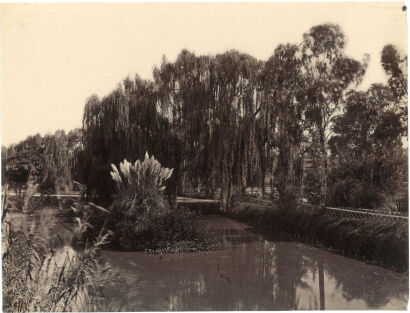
(46, 161)
(395, 66)
(140, 216)
(140, 185)
(22, 162)
(125, 123)
(175, 231)
(328, 75)
(351, 192)
(368, 164)
(57, 167)
(282, 83)
(38, 277)
(227, 121)
(383, 241)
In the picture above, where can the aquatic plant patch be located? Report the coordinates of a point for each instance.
(179, 230)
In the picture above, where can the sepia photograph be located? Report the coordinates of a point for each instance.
(207, 156)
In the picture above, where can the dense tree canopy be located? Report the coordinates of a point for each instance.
(227, 122)
(46, 161)
(223, 121)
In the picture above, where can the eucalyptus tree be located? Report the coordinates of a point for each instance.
(395, 65)
(328, 74)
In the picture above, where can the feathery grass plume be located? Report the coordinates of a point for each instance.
(140, 185)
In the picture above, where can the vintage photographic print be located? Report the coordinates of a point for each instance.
(204, 156)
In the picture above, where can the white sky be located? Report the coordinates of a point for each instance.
(56, 55)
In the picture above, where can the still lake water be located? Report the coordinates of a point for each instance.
(254, 273)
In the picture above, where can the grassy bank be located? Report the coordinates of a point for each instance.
(384, 242)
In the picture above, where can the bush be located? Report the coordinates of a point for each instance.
(354, 193)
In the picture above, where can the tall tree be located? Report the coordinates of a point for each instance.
(57, 163)
(328, 75)
(282, 84)
(235, 96)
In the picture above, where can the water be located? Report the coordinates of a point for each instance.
(254, 273)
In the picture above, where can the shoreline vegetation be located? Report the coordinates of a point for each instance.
(383, 242)
(47, 268)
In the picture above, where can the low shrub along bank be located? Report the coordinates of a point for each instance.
(382, 241)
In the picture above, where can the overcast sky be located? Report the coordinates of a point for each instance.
(54, 56)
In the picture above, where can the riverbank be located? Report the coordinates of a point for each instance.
(380, 241)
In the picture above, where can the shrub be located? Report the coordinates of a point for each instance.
(354, 193)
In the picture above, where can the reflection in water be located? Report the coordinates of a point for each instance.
(321, 285)
(253, 274)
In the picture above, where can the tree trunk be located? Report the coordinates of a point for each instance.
(285, 170)
(323, 166)
(243, 177)
(211, 183)
(263, 169)
(321, 286)
(224, 187)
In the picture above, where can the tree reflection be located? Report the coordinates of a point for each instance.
(254, 274)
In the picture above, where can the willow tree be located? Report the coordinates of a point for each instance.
(234, 77)
(184, 92)
(210, 102)
(57, 164)
(328, 74)
(124, 124)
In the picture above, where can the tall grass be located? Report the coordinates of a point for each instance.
(140, 186)
(39, 275)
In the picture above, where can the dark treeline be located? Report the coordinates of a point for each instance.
(226, 122)
(47, 161)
